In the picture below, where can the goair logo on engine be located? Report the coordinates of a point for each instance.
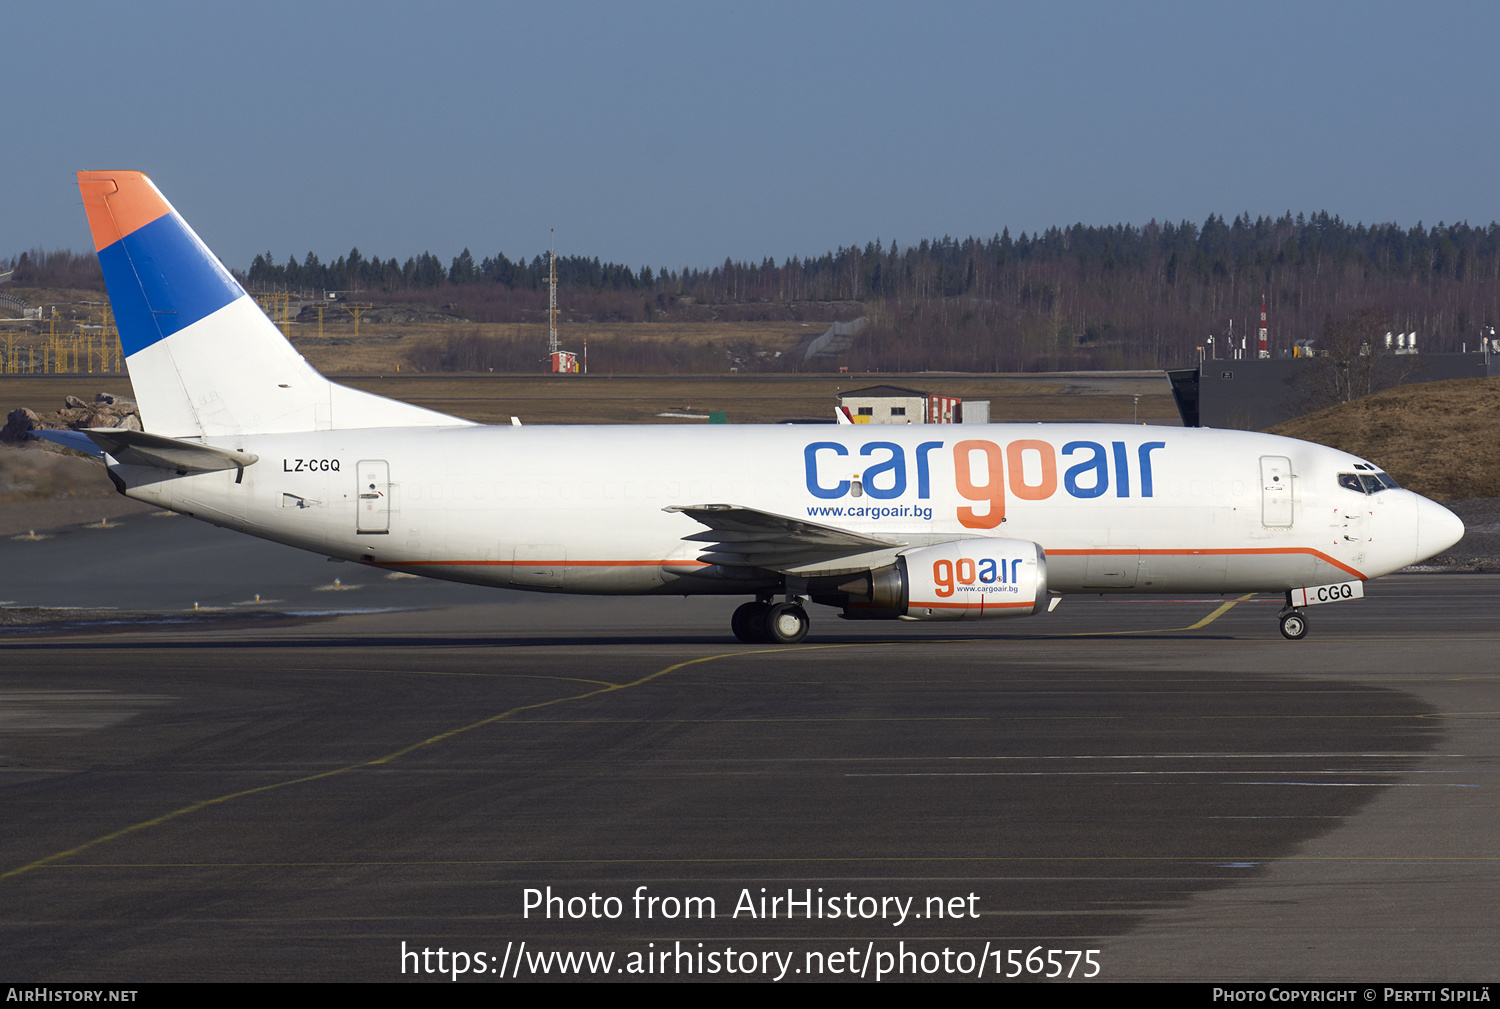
(984, 472)
(1003, 576)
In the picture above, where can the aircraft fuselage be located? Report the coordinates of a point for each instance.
(581, 509)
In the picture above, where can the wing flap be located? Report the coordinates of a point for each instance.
(747, 537)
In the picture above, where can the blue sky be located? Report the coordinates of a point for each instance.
(679, 134)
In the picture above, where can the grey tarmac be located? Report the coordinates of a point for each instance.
(1165, 780)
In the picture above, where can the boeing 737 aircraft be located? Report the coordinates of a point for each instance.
(927, 522)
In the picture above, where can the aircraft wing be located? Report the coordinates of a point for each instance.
(746, 537)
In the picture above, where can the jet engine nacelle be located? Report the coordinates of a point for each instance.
(959, 580)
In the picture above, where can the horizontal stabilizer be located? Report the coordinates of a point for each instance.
(747, 537)
(137, 448)
(75, 440)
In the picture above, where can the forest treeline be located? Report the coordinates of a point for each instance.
(55, 269)
(1075, 296)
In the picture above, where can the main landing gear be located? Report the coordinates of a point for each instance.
(1293, 625)
(764, 622)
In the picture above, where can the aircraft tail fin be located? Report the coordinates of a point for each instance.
(203, 358)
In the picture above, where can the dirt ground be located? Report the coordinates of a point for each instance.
(338, 347)
(383, 347)
(42, 489)
(747, 399)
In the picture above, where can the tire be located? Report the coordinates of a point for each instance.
(1293, 626)
(748, 623)
(785, 624)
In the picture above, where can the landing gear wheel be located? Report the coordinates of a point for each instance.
(786, 623)
(1293, 626)
(749, 622)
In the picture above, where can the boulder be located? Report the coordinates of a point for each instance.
(19, 425)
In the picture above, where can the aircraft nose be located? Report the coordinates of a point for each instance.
(1437, 528)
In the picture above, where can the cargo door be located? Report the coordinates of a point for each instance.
(1115, 568)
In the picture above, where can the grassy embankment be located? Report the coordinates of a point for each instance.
(1437, 438)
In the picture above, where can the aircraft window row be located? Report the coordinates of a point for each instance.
(1367, 483)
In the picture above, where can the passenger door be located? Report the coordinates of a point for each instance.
(1276, 491)
(374, 496)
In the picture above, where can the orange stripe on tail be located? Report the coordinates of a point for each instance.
(119, 203)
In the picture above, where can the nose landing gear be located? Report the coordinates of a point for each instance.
(1293, 625)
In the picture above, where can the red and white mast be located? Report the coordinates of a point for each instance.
(552, 304)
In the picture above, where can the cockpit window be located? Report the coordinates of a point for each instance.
(1370, 482)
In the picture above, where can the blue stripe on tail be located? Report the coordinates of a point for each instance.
(161, 279)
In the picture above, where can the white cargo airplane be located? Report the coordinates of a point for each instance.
(920, 522)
